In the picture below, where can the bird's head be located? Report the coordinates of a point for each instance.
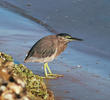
(67, 38)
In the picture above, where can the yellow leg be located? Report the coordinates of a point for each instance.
(48, 68)
(50, 75)
(45, 70)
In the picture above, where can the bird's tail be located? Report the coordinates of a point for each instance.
(26, 59)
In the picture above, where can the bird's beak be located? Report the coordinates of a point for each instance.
(75, 39)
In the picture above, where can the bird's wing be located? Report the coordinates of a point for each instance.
(42, 49)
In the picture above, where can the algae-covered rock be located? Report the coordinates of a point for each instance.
(17, 82)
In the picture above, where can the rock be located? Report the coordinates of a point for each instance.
(17, 82)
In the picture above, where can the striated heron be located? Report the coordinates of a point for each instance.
(47, 48)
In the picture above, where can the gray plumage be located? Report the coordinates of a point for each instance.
(47, 48)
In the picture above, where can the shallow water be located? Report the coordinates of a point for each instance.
(86, 76)
(88, 19)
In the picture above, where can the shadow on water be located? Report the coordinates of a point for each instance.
(86, 77)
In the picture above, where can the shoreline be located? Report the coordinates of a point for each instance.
(21, 12)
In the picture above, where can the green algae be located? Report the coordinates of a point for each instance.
(6, 57)
(34, 84)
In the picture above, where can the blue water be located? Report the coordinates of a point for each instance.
(18, 34)
(88, 19)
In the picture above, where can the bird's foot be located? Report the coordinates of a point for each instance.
(55, 75)
(52, 76)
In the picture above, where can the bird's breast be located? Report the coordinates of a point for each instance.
(61, 48)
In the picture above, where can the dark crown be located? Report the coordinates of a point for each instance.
(63, 34)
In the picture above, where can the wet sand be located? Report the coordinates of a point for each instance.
(88, 82)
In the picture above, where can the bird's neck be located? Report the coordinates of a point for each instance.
(61, 47)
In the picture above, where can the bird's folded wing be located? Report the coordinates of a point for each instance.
(42, 49)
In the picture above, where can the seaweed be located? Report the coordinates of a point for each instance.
(27, 83)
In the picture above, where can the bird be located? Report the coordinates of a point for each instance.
(47, 49)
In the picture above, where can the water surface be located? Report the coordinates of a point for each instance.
(90, 81)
